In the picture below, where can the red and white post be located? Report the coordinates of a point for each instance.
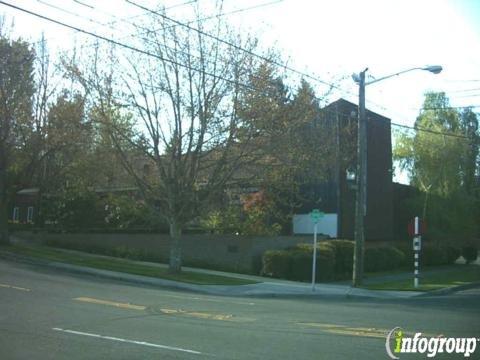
(417, 244)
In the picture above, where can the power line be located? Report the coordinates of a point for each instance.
(464, 90)
(206, 34)
(430, 131)
(73, 13)
(192, 68)
(138, 15)
(237, 47)
(149, 31)
(83, 4)
(104, 24)
(449, 107)
(225, 13)
(110, 23)
(474, 80)
(466, 96)
(126, 46)
(416, 128)
(263, 58)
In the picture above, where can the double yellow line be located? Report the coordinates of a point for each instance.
(166, 311)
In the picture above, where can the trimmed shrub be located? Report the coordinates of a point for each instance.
(325, 264)
(470, 253)
(257, 264)
(276, 263)
(371, 260)
(407, 250)
(394, 257)
(296, 263)
(383, 258)
(453, 253)
(432, 255)
(300, 265)
(343, 254)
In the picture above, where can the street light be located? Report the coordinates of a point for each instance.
(361, 190)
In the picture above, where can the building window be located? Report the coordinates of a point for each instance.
(30, 214)
(16, 214)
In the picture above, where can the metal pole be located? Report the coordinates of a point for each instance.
(361, 193)
(314, 262)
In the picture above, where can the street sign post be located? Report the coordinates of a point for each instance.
(315, 215)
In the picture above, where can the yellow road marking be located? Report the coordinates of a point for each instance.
(209, 299)
(198, 314)
(111, 303)
(345, 330)
(14, 287)
(356, 331)
(320, 325)
(195, 314)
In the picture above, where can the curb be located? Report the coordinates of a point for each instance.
(100, 273)
(450, 290)
(201, 289)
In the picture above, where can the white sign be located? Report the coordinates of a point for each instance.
(327, 225)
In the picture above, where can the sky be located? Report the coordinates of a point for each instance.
(328, 39)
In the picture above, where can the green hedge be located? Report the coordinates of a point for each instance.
(276, 263)
(296, 263)
(470, 253)
(430, 254)
(383, 259)
(335, 259)
(343, 254)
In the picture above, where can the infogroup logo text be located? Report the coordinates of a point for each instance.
(431, 346)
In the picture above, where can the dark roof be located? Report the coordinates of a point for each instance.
(345, 104)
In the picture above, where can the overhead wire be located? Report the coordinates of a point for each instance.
(149, 31)
(132, 48)
(177, 23)
(108, 24)
(115, 42)
(237, 47)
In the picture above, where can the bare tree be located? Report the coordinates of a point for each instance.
(183, 93)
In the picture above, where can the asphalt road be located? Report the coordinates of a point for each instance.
(46, 315)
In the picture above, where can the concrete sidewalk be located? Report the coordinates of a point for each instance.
(265, 287)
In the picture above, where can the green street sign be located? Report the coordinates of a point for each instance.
(316, 215)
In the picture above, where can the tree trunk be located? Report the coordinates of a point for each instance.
(175, 265)
(4, 236)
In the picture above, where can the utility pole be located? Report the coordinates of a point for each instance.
(361, 191)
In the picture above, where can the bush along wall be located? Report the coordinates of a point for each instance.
(335, 260)
(383, 259)
(431, 254)
(296, 263)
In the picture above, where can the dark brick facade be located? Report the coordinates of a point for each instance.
(342, 115)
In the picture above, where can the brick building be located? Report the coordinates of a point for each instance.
(337, 194)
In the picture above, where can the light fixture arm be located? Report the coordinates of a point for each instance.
(433, 69)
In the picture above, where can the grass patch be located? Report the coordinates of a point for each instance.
(125, 266)
(459, 275)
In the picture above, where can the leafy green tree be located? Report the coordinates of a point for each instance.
(16, 99)
(443, 167)
(296, 147)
